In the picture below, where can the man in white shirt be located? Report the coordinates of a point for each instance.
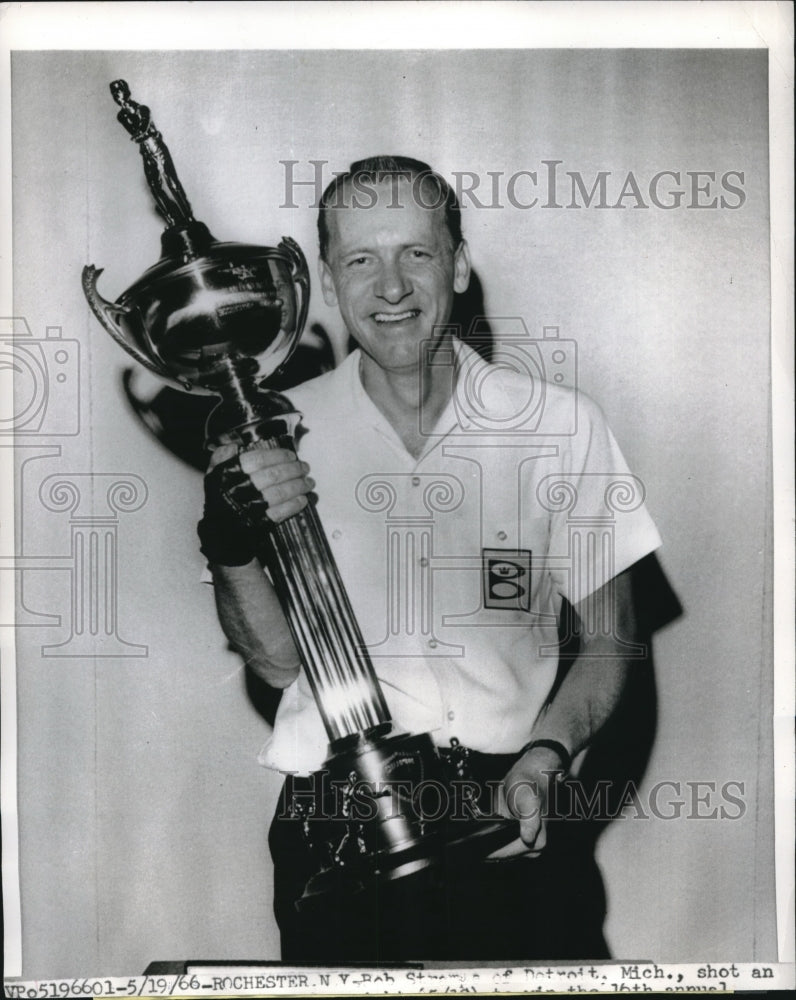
(464, 503)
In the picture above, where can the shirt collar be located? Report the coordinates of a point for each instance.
(480, 388)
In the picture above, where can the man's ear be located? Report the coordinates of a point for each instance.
(461, 265)
(327, 283)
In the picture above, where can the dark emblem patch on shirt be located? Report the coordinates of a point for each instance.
(507, 579)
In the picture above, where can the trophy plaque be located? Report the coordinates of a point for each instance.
(221, 318)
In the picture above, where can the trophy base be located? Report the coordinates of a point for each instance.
(396, 811)
(435, 851)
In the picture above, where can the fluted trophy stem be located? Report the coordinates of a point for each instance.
(305, 576)
(324, 628)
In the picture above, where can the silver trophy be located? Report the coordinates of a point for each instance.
(221, 318)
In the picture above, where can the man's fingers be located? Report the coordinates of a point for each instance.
(281, 511)
(531, 841)
(533, 833)
(511, 850)
(275, 475)
(516, 849)
(221, 454)
(283, 492)
(255, 459)
(281, 479)
(523, 800)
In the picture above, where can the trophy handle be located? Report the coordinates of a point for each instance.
(108, 314)
(301, 277)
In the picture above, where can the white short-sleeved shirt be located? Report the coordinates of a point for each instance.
(456, 562)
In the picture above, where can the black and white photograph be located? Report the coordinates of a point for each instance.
(395, 419)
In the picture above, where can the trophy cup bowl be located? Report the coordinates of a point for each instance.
(200, 317)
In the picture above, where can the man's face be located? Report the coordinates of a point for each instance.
(392, 271)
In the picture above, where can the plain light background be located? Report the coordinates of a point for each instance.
(143, 813)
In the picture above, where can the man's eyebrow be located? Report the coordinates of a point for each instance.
(355, 251)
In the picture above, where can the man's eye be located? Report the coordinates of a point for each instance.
(420, 255)
(357, 262)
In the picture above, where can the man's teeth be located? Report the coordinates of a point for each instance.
(396, 317)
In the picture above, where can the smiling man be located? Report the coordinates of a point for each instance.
(458, 598)
(392, 267)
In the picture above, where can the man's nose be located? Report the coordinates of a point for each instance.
(393, 283)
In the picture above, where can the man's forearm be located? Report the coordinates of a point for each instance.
(594, 685)
(254, 623)
(583, 704)
(587, 698)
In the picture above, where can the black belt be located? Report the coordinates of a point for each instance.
(483, 770)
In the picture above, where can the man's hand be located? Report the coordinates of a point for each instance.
(277, 474)
(524, 795)
(242, 488)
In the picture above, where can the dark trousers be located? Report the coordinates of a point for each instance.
(546, 908)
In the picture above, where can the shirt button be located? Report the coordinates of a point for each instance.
(451, 715)
(502, 536)
(415, 480)
(336, 533)
(424, 561)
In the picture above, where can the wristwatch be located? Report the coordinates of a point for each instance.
(558, 748)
